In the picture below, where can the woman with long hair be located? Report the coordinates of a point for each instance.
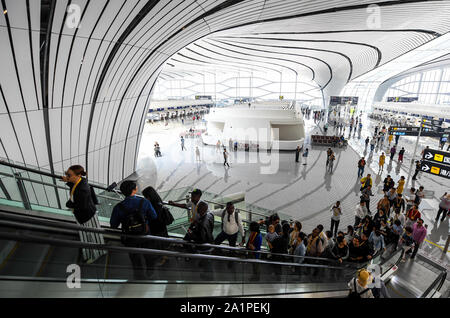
(82, 203)
(157, 228)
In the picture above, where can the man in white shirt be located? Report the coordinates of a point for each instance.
(360, 213)
(231, 225)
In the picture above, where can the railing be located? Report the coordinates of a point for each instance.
(30, 223)
(213, 270)
(35, 182)
(34, 190)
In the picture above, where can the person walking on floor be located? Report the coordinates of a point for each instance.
(372, 144)
(406, 241)
(401, 185)
(297, 153)
(412, 215)
(366, 193)
(225, 158)
(361, 166)
(444, 207)
(197, 153)
(336, 213)
(400, 154)
(393, 151)
(366, 182)
(82, 202)
(305, 155)
(419, 234)
(329, 152)
(381, 162)
(182, 144)
(390, 138)
(331, 162)
(418, 166)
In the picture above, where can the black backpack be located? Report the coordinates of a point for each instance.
(355, 294)
(135, 222)
(165, 217)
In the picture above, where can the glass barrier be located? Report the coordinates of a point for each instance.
(47, 261)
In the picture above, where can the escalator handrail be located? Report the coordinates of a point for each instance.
(107, 189)
(2, 162)
(60, 226)
(24, 237)
(54, 185)
(48, 174)
(247, 211)
(440, 279)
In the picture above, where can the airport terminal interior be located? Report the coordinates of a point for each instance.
(224, 148)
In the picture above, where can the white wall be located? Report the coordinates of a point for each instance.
(255, 125)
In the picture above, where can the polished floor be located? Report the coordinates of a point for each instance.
(276, 182)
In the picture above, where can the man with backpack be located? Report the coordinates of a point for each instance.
(134, 214)
(201, 229)
(231, 225)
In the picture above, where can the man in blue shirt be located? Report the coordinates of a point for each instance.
(119, 217)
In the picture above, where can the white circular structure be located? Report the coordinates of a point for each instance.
(265, 124)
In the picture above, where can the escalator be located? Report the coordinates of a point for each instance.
(36, 254)
(421, 278)
(38, 241)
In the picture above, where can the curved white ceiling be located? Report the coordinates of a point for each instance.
(79, 95)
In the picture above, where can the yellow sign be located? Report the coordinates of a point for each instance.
(438, 157)
(435, 170)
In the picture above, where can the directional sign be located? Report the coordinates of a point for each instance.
(437, 156)
(414, 131)
(431, 128)
(435, 169)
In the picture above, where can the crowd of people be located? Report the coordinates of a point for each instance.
(397, 222)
